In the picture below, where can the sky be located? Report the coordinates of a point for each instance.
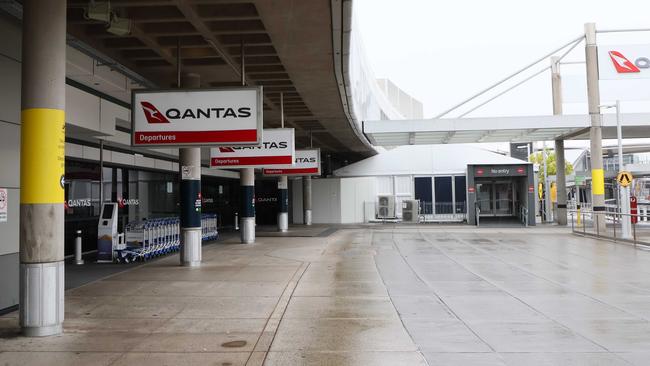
(442, 52)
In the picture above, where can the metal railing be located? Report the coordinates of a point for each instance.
(523, 215)
(586, 223)
(443, 211)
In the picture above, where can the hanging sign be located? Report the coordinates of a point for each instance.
(307, 162)
(623, 62)
(277, 148)
(206, 117)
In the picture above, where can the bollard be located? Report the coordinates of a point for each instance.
(78, 260)
(236, 221)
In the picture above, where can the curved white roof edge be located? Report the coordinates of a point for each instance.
(424, 160)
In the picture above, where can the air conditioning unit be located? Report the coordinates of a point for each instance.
(386, 207)
(410, 210)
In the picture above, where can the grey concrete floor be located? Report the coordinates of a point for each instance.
(381, 295)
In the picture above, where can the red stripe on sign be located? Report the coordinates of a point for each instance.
(251, 160)
(195, 137)
(291, 171)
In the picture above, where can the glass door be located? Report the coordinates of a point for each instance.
(485, 198)
(503, 199)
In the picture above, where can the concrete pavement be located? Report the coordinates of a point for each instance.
(376, 295)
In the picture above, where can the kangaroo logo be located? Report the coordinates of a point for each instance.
(152, 113)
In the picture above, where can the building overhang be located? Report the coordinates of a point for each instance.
(500, 129)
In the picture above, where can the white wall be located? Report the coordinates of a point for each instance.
(354, 193)
(326, 200)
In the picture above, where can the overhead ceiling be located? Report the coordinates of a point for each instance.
(287, 46)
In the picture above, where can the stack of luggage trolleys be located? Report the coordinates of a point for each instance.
(155, 237)
(209, 227)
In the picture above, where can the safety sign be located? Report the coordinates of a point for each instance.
(3, 204)
(624, 178)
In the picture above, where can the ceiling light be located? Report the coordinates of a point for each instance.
(99, 10)
(119, 26)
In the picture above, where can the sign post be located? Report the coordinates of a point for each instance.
(624, 179)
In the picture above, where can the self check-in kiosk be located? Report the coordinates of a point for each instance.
(107, 236)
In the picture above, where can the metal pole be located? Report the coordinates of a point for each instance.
(101, 173)
(572, 42)
(42, 168)
(593, 94)
(78, 251)
(624, 192)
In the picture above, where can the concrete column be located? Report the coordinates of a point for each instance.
(190, 195)
(556, 86)
(283, 204)
(306, 199)
(42, 167)
(596, 134)
(247, 193)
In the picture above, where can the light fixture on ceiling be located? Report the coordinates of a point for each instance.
(99, 10)
(119, 26)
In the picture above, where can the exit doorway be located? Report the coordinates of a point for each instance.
(496, 198)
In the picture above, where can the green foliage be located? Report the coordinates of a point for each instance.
(538, 158)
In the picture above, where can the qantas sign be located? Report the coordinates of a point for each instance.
(624, 62)
(276, 148)
(307, 162)
(205, 117)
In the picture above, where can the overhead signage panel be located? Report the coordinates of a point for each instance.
(204, 117)
(277, 148)
(307, 162)
(621, 62)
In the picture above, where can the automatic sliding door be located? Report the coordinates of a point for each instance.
(503, 199)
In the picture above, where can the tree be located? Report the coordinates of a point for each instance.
(538, 158)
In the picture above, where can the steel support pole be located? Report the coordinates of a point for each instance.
(42, 167)
(624, 192)
(556, 86)
(596, 133)
(189, 164)
(306, 199)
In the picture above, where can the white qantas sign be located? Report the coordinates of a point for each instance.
(624, 62)
(277, 148)
(206, 117)
(307, 162)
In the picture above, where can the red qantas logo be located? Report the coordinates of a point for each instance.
(153, 114)
(622, 64)
(226, 149)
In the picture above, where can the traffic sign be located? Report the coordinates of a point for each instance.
(580, 180)
(624, 178)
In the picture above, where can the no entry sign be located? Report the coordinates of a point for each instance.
(277, 148)
(206, 117)
(307, 162)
